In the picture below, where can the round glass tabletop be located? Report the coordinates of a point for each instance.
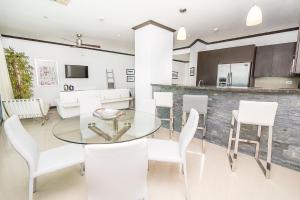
(93, 130)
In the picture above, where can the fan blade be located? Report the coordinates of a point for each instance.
(91, 45)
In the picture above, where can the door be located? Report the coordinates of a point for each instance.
(223, 71)
(240, 74)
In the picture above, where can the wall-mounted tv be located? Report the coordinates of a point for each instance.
(76, 71)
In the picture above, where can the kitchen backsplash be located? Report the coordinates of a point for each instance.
(277, 82)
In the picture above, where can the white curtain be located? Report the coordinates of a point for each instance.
(5, 84)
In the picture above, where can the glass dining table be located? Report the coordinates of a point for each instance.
(131, 125)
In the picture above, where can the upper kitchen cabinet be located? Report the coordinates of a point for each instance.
(274, 60)
(296, 68)
(263, 61)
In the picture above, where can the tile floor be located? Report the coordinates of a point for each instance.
(209, 175)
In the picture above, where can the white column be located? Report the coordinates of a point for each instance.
(153, 59)
(191, 80)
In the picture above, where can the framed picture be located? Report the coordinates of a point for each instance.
(174, 75)
(46, 72)
(130, 79)
(130, 72)
(192, 71)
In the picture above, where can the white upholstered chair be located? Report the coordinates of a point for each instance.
(165, 100)
(253, 113)
(87, 106)
(175, 152)
(117, 171)
(40, 163)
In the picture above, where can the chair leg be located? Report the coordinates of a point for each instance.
(82, 169)
(258, 144)
(187, 193)
(30, 188)
(204, 133)
(171, 122)
(183, 119)
(230, 136)
(236, 145)
(269, 155)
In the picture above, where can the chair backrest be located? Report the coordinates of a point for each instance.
(188, 132)
(258, 113)
(147, 106)
(22, 141)
(197, 102)
(23, 108)
(117, 171)
(163, 99)
(88, 105)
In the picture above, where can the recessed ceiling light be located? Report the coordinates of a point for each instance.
(101, 19)
(216, 29)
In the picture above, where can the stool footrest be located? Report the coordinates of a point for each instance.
(247, 141)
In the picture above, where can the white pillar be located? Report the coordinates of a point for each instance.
(153, 58)
(194, 50)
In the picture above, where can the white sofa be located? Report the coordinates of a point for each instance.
(68, 102)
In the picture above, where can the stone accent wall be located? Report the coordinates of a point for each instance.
(286, 131)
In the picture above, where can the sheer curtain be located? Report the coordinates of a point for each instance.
(5, 84)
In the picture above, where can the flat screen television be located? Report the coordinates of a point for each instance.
(76, 71)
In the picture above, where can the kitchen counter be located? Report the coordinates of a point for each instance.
(221, 102)
(236, 89)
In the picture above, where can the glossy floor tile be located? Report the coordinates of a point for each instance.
(209, 174)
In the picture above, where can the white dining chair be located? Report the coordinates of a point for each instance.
(165, 100)
(87, 106)
(175, 152)
(147, 106)
(117, 171)
(40, 163)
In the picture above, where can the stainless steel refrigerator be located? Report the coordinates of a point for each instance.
(235, 74)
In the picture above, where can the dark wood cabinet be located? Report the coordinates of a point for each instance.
(207, 67)
(296, 68)
(263, 61)
(274, 60)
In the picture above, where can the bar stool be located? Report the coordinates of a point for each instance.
(253, 113)
(199, 103)
(165, 100)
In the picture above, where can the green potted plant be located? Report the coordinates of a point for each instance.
(20, 73)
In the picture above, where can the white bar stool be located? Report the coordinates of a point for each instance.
(165, 100)
(253, 113)
(199, 103)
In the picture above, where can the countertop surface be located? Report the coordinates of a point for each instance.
(236, 89)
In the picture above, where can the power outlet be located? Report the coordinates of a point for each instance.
(289, 82)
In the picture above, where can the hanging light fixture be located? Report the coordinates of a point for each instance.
(254, 16)
(181, 35)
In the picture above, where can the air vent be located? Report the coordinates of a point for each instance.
(63, 2)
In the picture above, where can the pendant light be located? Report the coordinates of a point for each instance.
(254, 16)
(181, 35)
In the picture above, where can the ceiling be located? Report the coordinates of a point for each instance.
(46, 19)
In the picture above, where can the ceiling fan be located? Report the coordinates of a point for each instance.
(79, 43)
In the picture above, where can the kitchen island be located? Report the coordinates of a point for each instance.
(221, 102)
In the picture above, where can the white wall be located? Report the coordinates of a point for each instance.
(277, 38)
(180, 68)
(97, 61)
